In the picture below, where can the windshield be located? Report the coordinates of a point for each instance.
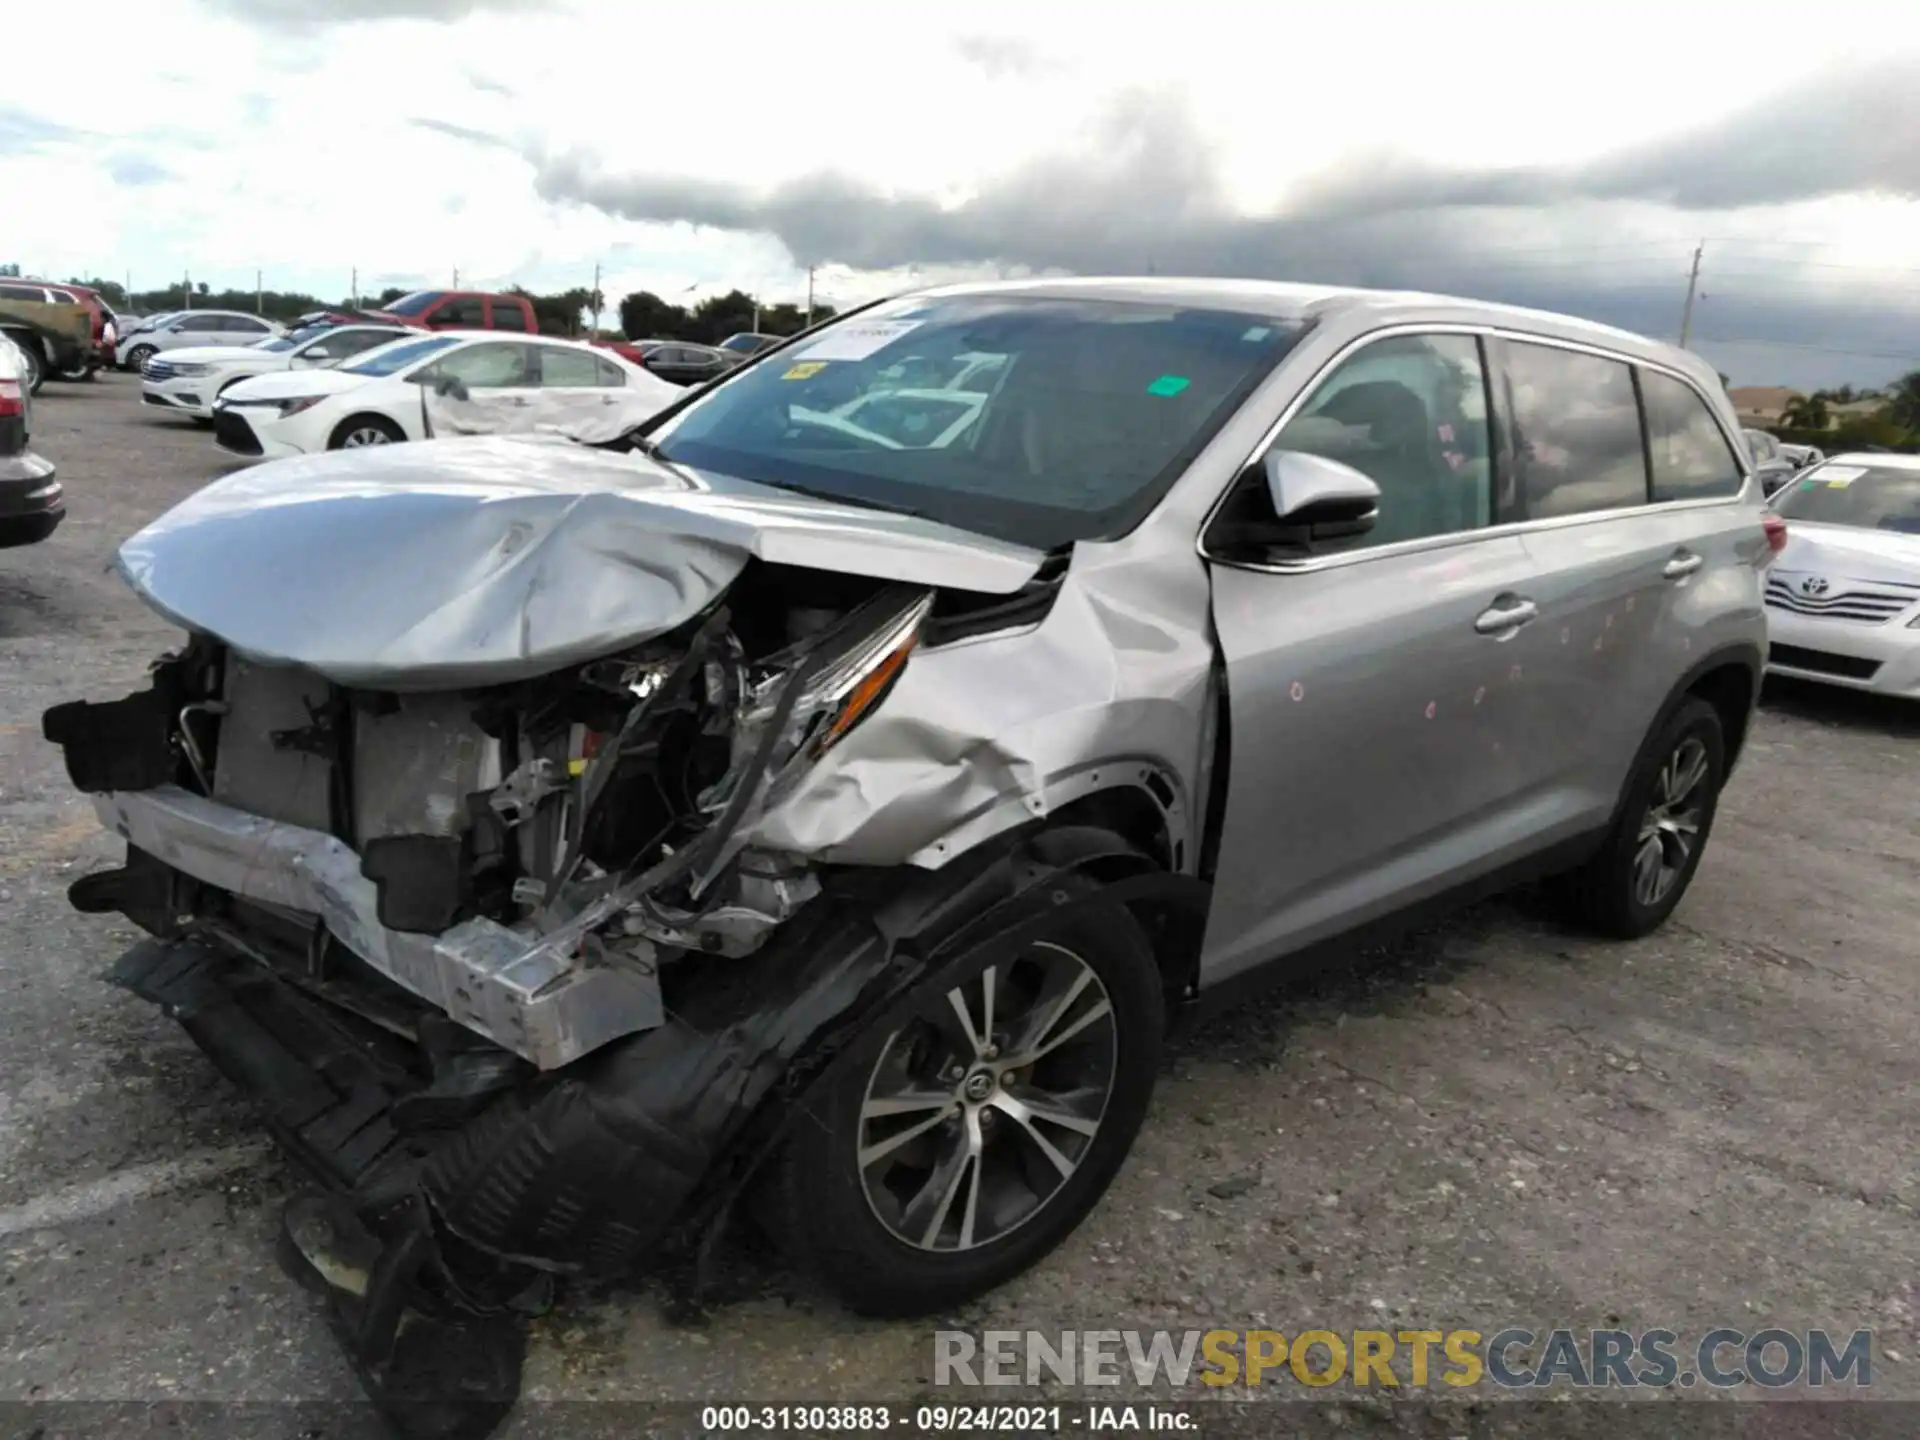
(413, 304)
(1077, 416)
(1872, 497)
(395, 356)
(294, 337)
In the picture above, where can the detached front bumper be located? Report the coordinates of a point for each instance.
(522, 992)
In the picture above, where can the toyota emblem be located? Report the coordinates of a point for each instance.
(1814, 585)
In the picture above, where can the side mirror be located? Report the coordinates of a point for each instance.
(1315, 498)
(1294, 500)
(450, 387)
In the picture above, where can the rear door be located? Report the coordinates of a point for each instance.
(576, 384)
(1612, 566)
(1375, 722)
(199, 328)
(457, 312)
(506, 314)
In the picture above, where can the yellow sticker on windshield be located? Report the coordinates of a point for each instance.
(805, 370)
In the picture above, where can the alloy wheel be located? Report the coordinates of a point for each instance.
(985, 1102)
(1670, 829)
(366, 435)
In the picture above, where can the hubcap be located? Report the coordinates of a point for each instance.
(1670, 829)
(366, 436)
(987, 1100)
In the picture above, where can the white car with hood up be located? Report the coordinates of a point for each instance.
(188, 381)
(1843, 599)
(455, 382)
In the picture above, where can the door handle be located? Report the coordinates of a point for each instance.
(1504, 619)
(1683, 564)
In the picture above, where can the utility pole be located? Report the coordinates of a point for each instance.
(596, 302)
(809, 323)
(356, 287)
(186, 289)
(259, 300)
(1693, 284)
(456, 278)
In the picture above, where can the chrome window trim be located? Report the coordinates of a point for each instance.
(1487, 532)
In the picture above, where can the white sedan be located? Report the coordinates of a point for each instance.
(188, 381)
(1843, 598)
(450, 383)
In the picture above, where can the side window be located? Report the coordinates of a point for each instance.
(23, 294)
(1691, 457)
(240, 324)
(354, 341)
(566, 369)
(1411, 414)
(611, 375)
(1576, 429)
(508, 316)
(489, 367)
(467, 312)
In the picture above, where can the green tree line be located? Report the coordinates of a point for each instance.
(641, 315)
(1892, 424)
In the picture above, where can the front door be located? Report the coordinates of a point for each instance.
(501, 381)
(1375, 704)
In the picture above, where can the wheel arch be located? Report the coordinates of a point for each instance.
(1727, 678)
(347, 422)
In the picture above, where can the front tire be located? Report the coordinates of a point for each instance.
(361, 430)
(1642, 871)
(35, 365)
(954, 1150)
(138, 356)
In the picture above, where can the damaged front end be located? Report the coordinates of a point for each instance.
(497, 963)
(525, 859)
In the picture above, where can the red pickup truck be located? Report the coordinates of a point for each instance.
(462, 310)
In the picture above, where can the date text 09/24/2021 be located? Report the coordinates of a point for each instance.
(1092, 1419)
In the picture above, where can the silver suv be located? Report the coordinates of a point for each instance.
(564, 842)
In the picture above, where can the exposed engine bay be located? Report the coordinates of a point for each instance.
(526, 858)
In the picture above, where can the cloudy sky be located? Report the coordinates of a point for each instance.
(1569, 156)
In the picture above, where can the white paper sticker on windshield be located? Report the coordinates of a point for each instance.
(1838, 474)
(857, 339)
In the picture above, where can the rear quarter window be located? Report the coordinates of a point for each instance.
(1576, 424)
(1689, 453)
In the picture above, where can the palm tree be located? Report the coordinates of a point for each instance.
(1807, 412)
(1903, 401)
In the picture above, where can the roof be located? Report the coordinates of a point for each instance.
(1286, 300)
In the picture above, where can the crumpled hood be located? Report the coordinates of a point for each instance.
(483, 561)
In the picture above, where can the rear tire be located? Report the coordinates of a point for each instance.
(877, 1236)
(359, 430)
(1642, 871)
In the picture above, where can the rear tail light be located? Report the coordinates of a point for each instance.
(13, 401)
(1776, 529)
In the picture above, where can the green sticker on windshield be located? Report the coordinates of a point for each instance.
(1168, 385)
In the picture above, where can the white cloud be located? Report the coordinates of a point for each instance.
(282, 137)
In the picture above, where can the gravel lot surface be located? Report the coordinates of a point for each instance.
(1494, 1122)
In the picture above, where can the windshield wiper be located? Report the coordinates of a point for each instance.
(860, 501)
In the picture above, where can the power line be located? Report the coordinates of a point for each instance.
(1820, 349)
